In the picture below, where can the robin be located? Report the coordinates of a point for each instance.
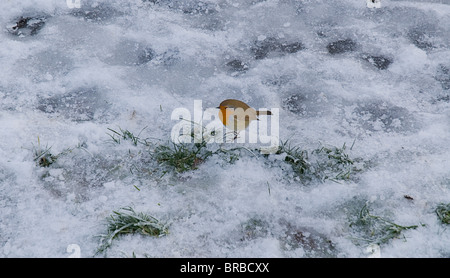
(237, 115)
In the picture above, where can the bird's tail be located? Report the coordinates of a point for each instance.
(263, 113)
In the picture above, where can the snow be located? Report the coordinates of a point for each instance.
(129, 64)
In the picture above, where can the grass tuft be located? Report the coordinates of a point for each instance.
(44, 158)
(118, 136)
(335, 163)
(183, 156)
(323, 163)
(376, 229)
(443, 213)
(127, 221)
(297, 158)
(178, 157)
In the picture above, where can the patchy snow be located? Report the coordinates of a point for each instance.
(338, 71)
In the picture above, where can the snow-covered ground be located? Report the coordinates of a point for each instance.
(340, 73)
